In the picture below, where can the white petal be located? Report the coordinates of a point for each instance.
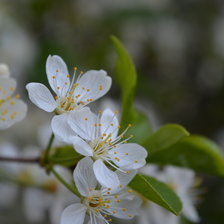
(8, 192)
(4, 71)
(153, 213)
(40, 95)
(189, 211)
(11, 112)
(129, 156)
(84, 177)
(36, 203)
(81, 146)
(57, 74)
(109, 123)
(105, 176)
(83, 123)
(117, 208)
(74, 214)
(95, 84)
(124, 178)
(61, 128)
(97, 219)
(7, 87)
(182, 177)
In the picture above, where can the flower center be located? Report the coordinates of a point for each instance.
(101, 146)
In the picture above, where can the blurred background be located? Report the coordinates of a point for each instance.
(177, 47)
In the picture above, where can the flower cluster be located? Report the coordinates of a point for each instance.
(109, 162)
(12, 109)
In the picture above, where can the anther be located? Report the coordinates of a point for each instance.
(124, 209)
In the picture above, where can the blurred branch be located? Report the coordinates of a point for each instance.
(20, 160)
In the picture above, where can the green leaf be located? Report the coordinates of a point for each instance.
(125, 75)
(141, 129)
(65, 156)
(156, 191)
(196, 152)
(164, 137)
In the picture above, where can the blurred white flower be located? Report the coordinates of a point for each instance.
(18, 49)
(70, 94)
(97, 137)
(97, 203)
(4, 71)
(41, 193)
(182, 181)
(8, 190)
(12, 109)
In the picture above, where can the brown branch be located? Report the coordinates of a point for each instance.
(19, 160)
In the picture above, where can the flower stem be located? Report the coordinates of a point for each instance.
(67, 185)
(47, 152)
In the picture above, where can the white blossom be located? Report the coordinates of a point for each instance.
(70, 94)
(12, 109)
(100, 203)
(97, 137)
(4, 71)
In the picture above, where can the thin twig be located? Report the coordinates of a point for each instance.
(67, 185)
(20, 160)
(47, 152)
